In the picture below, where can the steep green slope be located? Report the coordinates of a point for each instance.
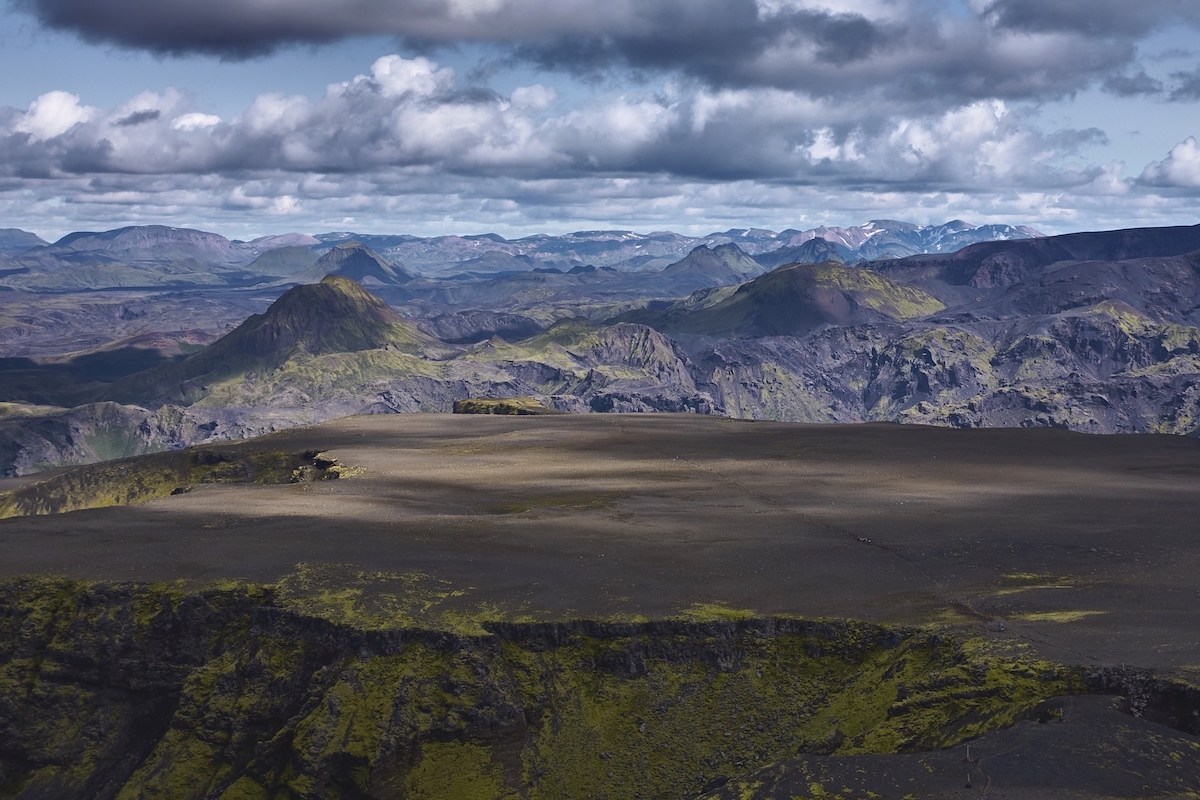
(794, 300)
(134, 690)
(334, 316)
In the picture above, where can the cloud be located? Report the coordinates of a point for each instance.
(138, 117)
(409, 113)
(1180, 169)
(1136, 85)
(1187, 85)
(396, 76)
(194, 120)
(400, 200)
(53, 114)
(1101, 18)
(408, 140)
(923, 50)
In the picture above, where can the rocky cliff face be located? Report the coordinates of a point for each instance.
(1102, 369)
(120, 690)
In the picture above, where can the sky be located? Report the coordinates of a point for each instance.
(429, 117)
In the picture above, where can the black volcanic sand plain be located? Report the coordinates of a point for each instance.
(610, 606)
(1085, 547)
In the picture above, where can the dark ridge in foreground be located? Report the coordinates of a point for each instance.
(118, 689)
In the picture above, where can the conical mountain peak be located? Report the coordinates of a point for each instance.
(336, 315)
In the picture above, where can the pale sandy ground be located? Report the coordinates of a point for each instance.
(649, 514)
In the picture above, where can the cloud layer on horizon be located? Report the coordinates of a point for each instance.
(767, 104)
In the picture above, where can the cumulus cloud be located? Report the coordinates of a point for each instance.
(410, 113)
(408, 139)
(1181, 168)
(917, 48)
(193, 120)
(53, 114)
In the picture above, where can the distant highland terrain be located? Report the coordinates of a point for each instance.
(1093, 332)
(154, 256)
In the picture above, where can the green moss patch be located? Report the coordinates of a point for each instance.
(136, 480)
(513, 406)
(295, 691)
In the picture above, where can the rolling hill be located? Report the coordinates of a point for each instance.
(355, 261)
(704, 267)
(14, 241)
(791, 301)
(814, 251)
(283, 261)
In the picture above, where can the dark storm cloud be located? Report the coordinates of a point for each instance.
(1136, 85)
(138, 117)
(1187, 86)
(720, 42)
(1102, 18)
(913, 48)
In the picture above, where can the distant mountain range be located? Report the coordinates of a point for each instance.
(158, 256)
(628, 251)
(1095, 332)
(14, 241)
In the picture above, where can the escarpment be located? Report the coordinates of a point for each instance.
(136, 690)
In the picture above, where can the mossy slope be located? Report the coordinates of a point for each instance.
(795, 299)
(149, 691)
(136, 480)
(334, 316)
(510, 406)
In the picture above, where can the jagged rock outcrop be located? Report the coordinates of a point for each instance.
(469, 327)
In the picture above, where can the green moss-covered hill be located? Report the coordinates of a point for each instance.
(334, 316)
(793, 300)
